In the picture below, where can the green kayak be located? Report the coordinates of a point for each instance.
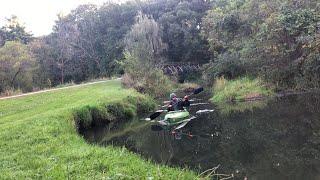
(176, 117)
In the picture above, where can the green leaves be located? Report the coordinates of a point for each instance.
(15, 31)
(16, 66)
(270, 38)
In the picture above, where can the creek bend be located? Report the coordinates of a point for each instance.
(277, 138)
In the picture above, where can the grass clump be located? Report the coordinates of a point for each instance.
(144, 104)
(119, 110)
(100, 116)
(83, 117)
(239, 89)
(122, 110)
(39, 139)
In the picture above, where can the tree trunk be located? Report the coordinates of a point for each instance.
(62, 75)
(14, 77)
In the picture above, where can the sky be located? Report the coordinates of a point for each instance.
(38, 16)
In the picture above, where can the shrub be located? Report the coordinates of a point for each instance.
(16, 66)
(155, 83)
(300, 75)
(227, 65)
(10, 92)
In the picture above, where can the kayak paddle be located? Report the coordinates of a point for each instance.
(197, 91)
(156, 114)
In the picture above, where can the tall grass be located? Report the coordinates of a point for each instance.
(125, 109)
(238, 89)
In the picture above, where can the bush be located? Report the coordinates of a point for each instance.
(10, 92)
(17, 66)
(155, 83)
(281, 78)
(302, 75)
(227, 65)
(310, 76)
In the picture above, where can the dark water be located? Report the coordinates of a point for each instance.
(271, 139)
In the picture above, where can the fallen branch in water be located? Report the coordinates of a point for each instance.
(212, 172)
(208, 170)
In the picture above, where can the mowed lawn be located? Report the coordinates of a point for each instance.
(38, 140)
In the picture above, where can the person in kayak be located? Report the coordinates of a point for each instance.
(176, 104)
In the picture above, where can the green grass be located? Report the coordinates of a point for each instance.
(238, 89)
(38, 139)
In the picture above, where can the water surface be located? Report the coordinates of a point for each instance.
(273, 139)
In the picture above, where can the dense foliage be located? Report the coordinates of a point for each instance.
(16, 67)
(90, 41)
(278, 40)
(275, 40)
(181, 24)
(143, 50)
(14, 31)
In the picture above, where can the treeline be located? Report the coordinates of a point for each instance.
(276, 40)
(89, 42)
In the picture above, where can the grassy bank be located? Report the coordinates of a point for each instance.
(38, 139)
(239, 89)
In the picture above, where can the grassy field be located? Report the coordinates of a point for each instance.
(38, 140)
(239, 89)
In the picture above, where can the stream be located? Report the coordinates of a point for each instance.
(276, 138)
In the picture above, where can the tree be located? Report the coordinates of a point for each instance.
(95, 39)
(180, 22)
(16, 66)
(47, 73)
(276, 40)
(144, 42)
(144, 49)
(2, 37)
(14, 31)
(64, 37)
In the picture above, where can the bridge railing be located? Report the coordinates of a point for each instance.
(178, 68)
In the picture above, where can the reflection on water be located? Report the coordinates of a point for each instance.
(277, 140)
